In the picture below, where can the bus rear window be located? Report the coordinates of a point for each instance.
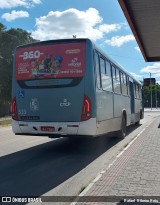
(53, 61)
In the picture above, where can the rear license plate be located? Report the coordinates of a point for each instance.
(47, 129)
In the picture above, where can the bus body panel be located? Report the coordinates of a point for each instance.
(60, 128)
(51, 105)
(122, 103)
(104, 105)
(109, 112)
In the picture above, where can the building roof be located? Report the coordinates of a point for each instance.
(143, 17)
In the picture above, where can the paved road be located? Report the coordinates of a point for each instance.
(40, 166)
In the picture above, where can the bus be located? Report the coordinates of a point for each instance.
(70, 87)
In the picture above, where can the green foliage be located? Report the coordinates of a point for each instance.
(5, 122)
(9, 40)
(155, 95)
(2, 27)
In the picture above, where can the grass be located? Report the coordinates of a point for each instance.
(5, 122)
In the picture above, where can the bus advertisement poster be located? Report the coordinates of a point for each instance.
(50, 61)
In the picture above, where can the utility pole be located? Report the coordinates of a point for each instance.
(151, 90)
(156, 94)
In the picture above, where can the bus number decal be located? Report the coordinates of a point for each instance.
(31, 54)
(22, 112)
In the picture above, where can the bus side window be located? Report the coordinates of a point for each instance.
(128, 88)
(138, 93)
(98, 77)
(113, 77)
(135, 90)
(108, 76)
(116, 80)
(124, 84)
(103, 73)
(139, 90)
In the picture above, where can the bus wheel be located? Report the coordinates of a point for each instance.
(122, 131)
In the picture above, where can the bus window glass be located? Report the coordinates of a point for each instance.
(108, 76)
(117, 75)
(139, 90)
(116, 81)
(113, 73)
(135, 93)
(127, 83)
(124, 79)
(124, 84)
(97, 70)
(121, 78)
(103, 74)
(102, 65)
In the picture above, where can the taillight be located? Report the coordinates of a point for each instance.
(86, 111)
(14, 109)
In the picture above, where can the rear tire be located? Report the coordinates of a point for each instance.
(122, 132)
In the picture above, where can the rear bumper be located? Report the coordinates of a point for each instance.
(88, 127)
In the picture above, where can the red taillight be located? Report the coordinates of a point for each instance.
(86, 111)
(14, 109)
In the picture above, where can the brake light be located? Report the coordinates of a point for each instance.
(14, 109)
(86, 111)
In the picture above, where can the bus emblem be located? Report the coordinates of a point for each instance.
(34, 104)
(65, 103)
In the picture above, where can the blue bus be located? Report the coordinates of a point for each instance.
(70, 87)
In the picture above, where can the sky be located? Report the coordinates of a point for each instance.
(100, 20)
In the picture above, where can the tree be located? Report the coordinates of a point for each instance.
(155, 95)
(9, 40)
(2, 27)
